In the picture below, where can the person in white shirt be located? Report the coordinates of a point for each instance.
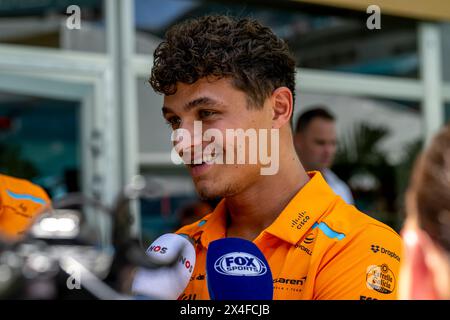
(315, 140)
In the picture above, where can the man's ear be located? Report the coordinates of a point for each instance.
(282, 106)
(421, 276)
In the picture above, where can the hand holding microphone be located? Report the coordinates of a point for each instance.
(166, 283)
(237, 270)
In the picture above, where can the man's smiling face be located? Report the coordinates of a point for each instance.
(218, 105)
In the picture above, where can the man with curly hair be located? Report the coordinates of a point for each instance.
(230, 73)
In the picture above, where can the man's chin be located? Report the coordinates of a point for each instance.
(209, 191)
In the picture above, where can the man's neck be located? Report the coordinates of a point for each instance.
(253, 210)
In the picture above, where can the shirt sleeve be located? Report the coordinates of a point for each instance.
(364, 267)
(21, 202)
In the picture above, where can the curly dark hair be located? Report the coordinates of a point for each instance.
(220, 46)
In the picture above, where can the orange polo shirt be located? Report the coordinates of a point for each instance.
(319, 247)
(20, 202)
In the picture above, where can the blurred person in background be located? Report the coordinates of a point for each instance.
(315, 141)
(425, 271)
(20, 203)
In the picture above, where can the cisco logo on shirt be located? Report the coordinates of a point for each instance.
(240, 264)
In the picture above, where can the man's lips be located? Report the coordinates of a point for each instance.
(208, 159)
(200, 166)
(199, 169)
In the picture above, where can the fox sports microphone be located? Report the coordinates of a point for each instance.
(237, 270)
(170, 280)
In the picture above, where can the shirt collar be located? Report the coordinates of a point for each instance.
(214, 227)
(312, 201)
(304, 210)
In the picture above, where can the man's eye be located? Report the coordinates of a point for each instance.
(206, 113)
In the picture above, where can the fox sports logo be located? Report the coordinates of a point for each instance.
(240, 264)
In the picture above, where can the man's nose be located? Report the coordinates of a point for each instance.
(189, 137)
(330, 150)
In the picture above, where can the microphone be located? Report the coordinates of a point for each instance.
(176, 256)
(237, 270)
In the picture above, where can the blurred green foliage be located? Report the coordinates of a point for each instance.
(360, 158)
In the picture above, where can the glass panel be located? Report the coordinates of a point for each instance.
(447, 112)
(39, 139)
(320, 37)
(154, 134)
(45, 24)
(445, 32)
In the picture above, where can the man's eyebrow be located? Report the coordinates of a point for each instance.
(202, 101)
